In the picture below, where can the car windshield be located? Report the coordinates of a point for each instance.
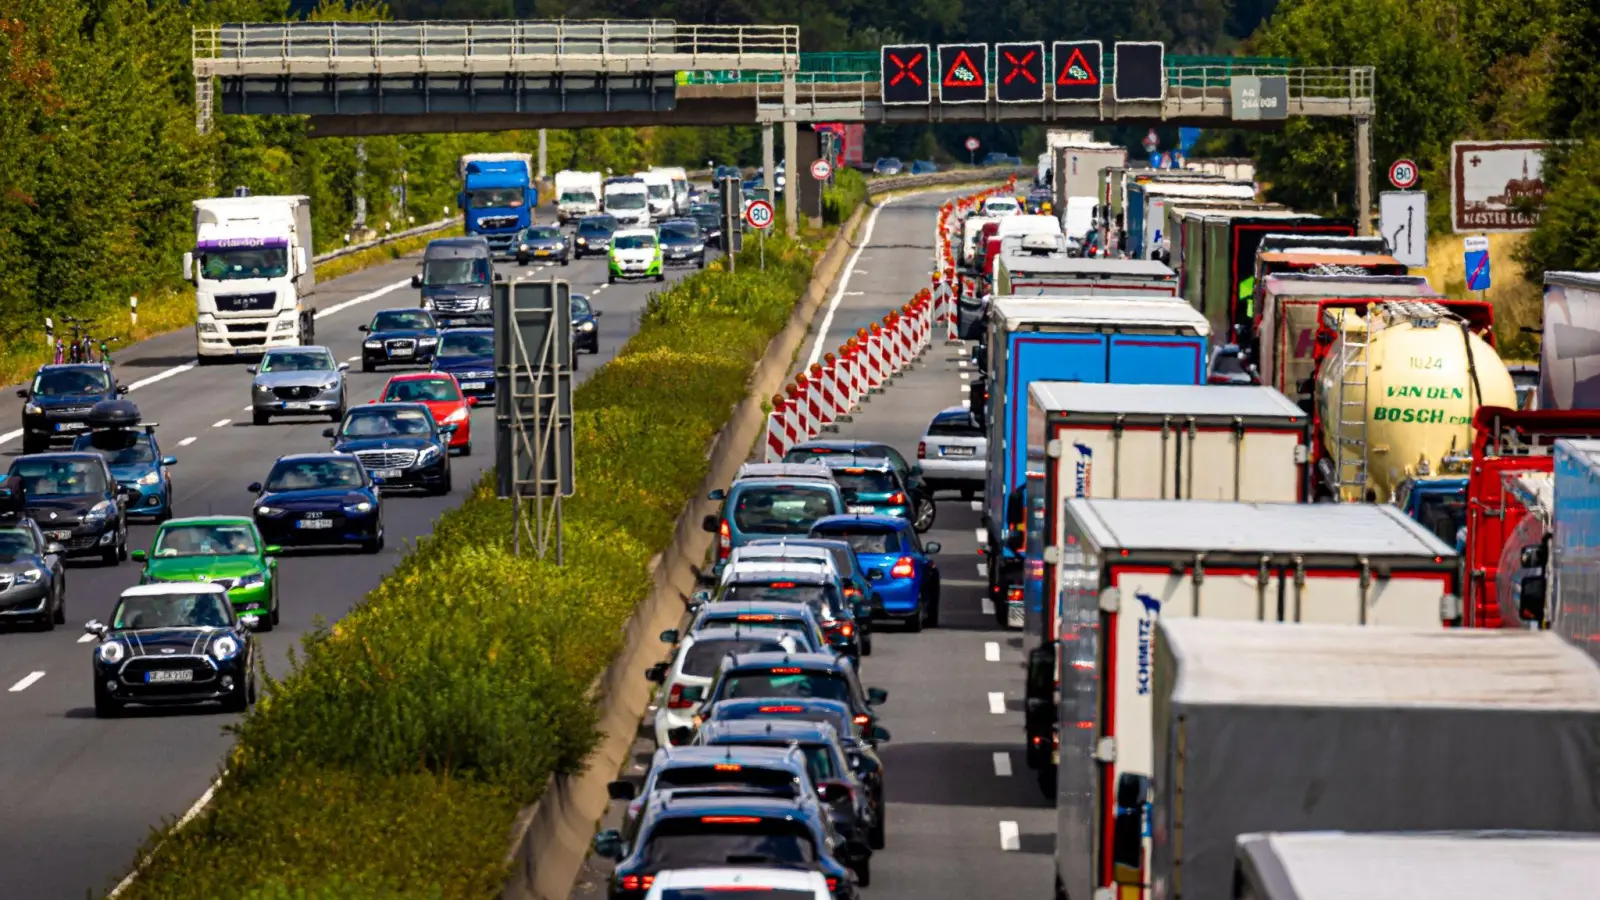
(56, 477)
(70, 382)
(580, 306)
(15, 542)
(118, 447)
(593, 229)
(814, 595)
(634, 242)
(659, 191)
(495, 198)
(707, 220)
(627, 200)
(233, 539)
(820, 762)
(244, 262)
(208, 610)
(805, 713)
(726, 840)
(1442, 514)
(456, 343)
(781, 509)
(759, 622)
(731, 773)
(865, 541)
(864, 483)
(786, 681)
(543, 233)
(962, 424)
(681, 232)
(1229, 364)
(444, 272)
(422, 390)
(370, 422)
(297, 361)
(401, 320)
(314, 474)
(703, 657)
(576, 197)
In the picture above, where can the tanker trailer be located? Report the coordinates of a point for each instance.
(1396, 391)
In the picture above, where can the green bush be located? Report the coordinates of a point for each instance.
(392, 759)
(849, 191)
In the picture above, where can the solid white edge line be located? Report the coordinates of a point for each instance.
(997, 703)
(991, 651)
(844, 282)
(26, 681)
(220, 423)
(988, 606)
(10, 436)
(188, 816)
(1002, 764)
(1010, 836)
(362, 299)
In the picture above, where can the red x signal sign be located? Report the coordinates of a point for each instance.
(904, 74)
(1022, 73)
(907, 70)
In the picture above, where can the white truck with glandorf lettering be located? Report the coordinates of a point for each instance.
(252, 273)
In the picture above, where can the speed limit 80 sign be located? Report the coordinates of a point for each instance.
(1403, 174)
(759, 214)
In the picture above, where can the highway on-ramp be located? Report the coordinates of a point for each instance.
(78, 796)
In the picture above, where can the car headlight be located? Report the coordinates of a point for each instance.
(30, 576)
(99, 511)
(586, 326)
(206, 327)
(584, 241)
(33, 409)
(699, 247)
(522, 246)
(427, 342)
(251, 580)
(268, 511)
(110, 652)
(428, 455)
(225, 647)
(459, 415)
(263, 388)
(561, 245)
(358, 508)
(331, 386)
(150, 478)
(286, 325)
(427, 303)
(483, 303)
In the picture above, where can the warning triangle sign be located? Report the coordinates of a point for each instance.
(1076, 70)
(963, 73)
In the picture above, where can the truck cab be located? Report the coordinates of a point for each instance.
(497, 197)
(252, 272)
(1439, 504)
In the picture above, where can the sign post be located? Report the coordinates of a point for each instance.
(759, 215)
(972, 148)
(1477, 263)
(820, 170)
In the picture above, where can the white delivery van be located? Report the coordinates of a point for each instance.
(628, 201)
(577, 195)
(680, 187)
(658, 187)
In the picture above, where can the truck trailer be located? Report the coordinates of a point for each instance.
(1573, 557)
(1026, 274)
(1274, 727)
(1147, 203)
(253, 275)
(1569, 352)
(1136, 565)
(1232, 239)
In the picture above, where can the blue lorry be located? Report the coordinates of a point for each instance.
(498, 197)
(1100, 340)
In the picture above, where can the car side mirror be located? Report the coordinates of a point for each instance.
(23, 393)
(122, 389)
(54, 549)
(249, 623)
(1534, 556)
(272, 550)
(1127, 835)
(1531, 598)
(169, 460)
(344, 367)
(877, 696)
(498, 276)
(138, 556)
(656, 673)
(875, 574)
(364, 329)
(416, 282)
(880, 734)
(251, 369)
(377, 481)
(608, 844)
(709, 524)
(95, 627)
(596, 313)
(718, 494)
(700, 597)
(254, 488)
(621, 790)
(448, 428)
(932, 548)
(327, 433)
(670, 636)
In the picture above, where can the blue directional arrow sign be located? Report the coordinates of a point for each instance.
(1477, 262)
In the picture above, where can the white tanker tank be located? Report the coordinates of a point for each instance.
(1396, 394)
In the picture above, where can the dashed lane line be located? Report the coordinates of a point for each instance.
(1002, 764)
(1010, 836)
(988, 606)
(85, 638)
(991, 651)
(26, 681)
(997, 703)
(186, 442)
(220, 422)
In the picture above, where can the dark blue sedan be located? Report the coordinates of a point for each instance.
(319, 499)
(468, 354)
(400, 444)
(585, 326)
(899, 565)
(399, 337)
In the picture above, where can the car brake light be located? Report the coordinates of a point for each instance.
(847, 629)
(731, 820)
(724, 540)
(852, 592)
(756, 617)
(781, 584)
(675, 699)
(922, 449)
(781, 709)
(833, 884)
(863, 720)
(728, 767)
(1219, 378)
(897, 498)
(638, 882)
(1014, 595)
(788, 670)
(903, 568)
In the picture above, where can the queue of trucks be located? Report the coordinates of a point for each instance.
(1320, 594)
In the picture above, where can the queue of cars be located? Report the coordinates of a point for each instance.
(766, 761)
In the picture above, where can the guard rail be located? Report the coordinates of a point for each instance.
(388, 238)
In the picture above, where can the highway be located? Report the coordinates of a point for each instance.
(965, 816)
(78, 796)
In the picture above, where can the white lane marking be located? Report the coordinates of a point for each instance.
(977, 506)
(362, 299)
(220, 423)
(247, 409)
(983, 536)
(186, 818)
(10, 436)
(855, 293)
(86, 639)
(961, 363)
(27, 680)
(163, 376)
(356, 358)
(965, 376)
(967, 402)
(988, 606)
(1010, 837)
(844, 283)
(991, 651)
(983, 571)
(186, 442)
(997, 703)
(1002, 764)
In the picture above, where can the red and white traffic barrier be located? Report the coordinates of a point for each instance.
(777, 438)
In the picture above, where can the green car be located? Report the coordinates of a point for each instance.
(635, 253)
(225, 550)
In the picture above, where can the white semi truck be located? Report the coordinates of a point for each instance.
(252, 273)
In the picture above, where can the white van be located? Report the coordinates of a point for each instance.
(680, 187)
(577, 194)
(628, 201)
(970, 229)
(659, 187)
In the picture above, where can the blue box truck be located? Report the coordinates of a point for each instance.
(498, 197)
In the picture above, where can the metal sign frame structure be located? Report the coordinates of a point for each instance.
(923, 55)
(533, 408)
(1161, 72)
(959, 52)
(1096, 70)
(1007, 54)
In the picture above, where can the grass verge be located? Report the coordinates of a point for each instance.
(392, 759)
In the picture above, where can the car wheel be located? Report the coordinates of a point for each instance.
(122, 543)
(338, 414)
(35, 445)
(969, 494)
(466, 449)
(260, 418)
(239, 701)
(60, 616)
(863, 870)
(110, 556)
(611, 279)
(443, 487)
(866, 643)
(254, 690)
(915, 623)
(661, 276)
(375, 545)
(876, 834)
(104, 706)
(565, 260)
(522, 260)
(927, 511)
(366, 365)
(933, 612)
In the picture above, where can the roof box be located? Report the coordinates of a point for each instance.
(118, 413)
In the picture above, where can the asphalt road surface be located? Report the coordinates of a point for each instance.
(966, 818)
(78, 796)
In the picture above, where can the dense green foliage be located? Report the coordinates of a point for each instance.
(849, 191)
(391, 761)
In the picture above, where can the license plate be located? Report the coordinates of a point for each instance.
(865, 510)
(314, 524)
(386, 473)
(401, 351)
(71, 426)
(473, 385)
(450, 322)
(166, 676)
(957, 451)
(297, 404)
(541, 253)
(58, 535)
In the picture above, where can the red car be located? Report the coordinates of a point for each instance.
(442, 395)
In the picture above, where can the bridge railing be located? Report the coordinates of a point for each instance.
(334, 47)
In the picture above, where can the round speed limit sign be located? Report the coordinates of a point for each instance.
(820, 170)
(759, 214)
(1403, 174)
(972, 144)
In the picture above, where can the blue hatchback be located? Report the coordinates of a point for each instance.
(468, 354)
(899, 565)
(136, 461)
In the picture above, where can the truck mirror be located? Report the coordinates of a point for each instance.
(709, 524)
(1127, 841)
(1016, 540)
(302, 261)
(1534, 556)
(656, 673)
(416, 280)
(188, 266)
(621, 790)
(1530, 598)
(670, 636)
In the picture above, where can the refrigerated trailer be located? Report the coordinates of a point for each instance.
(1025, 274)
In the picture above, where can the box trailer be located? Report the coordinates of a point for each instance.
(1574, 554)
(1026, 274)
(1147, 204)
(1569, 352)
(1188, 242)
(1273, 727)
(1231, 242)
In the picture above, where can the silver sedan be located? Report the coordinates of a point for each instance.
(298, 381)
(953, 452)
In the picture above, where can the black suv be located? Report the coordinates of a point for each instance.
(59, 400)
